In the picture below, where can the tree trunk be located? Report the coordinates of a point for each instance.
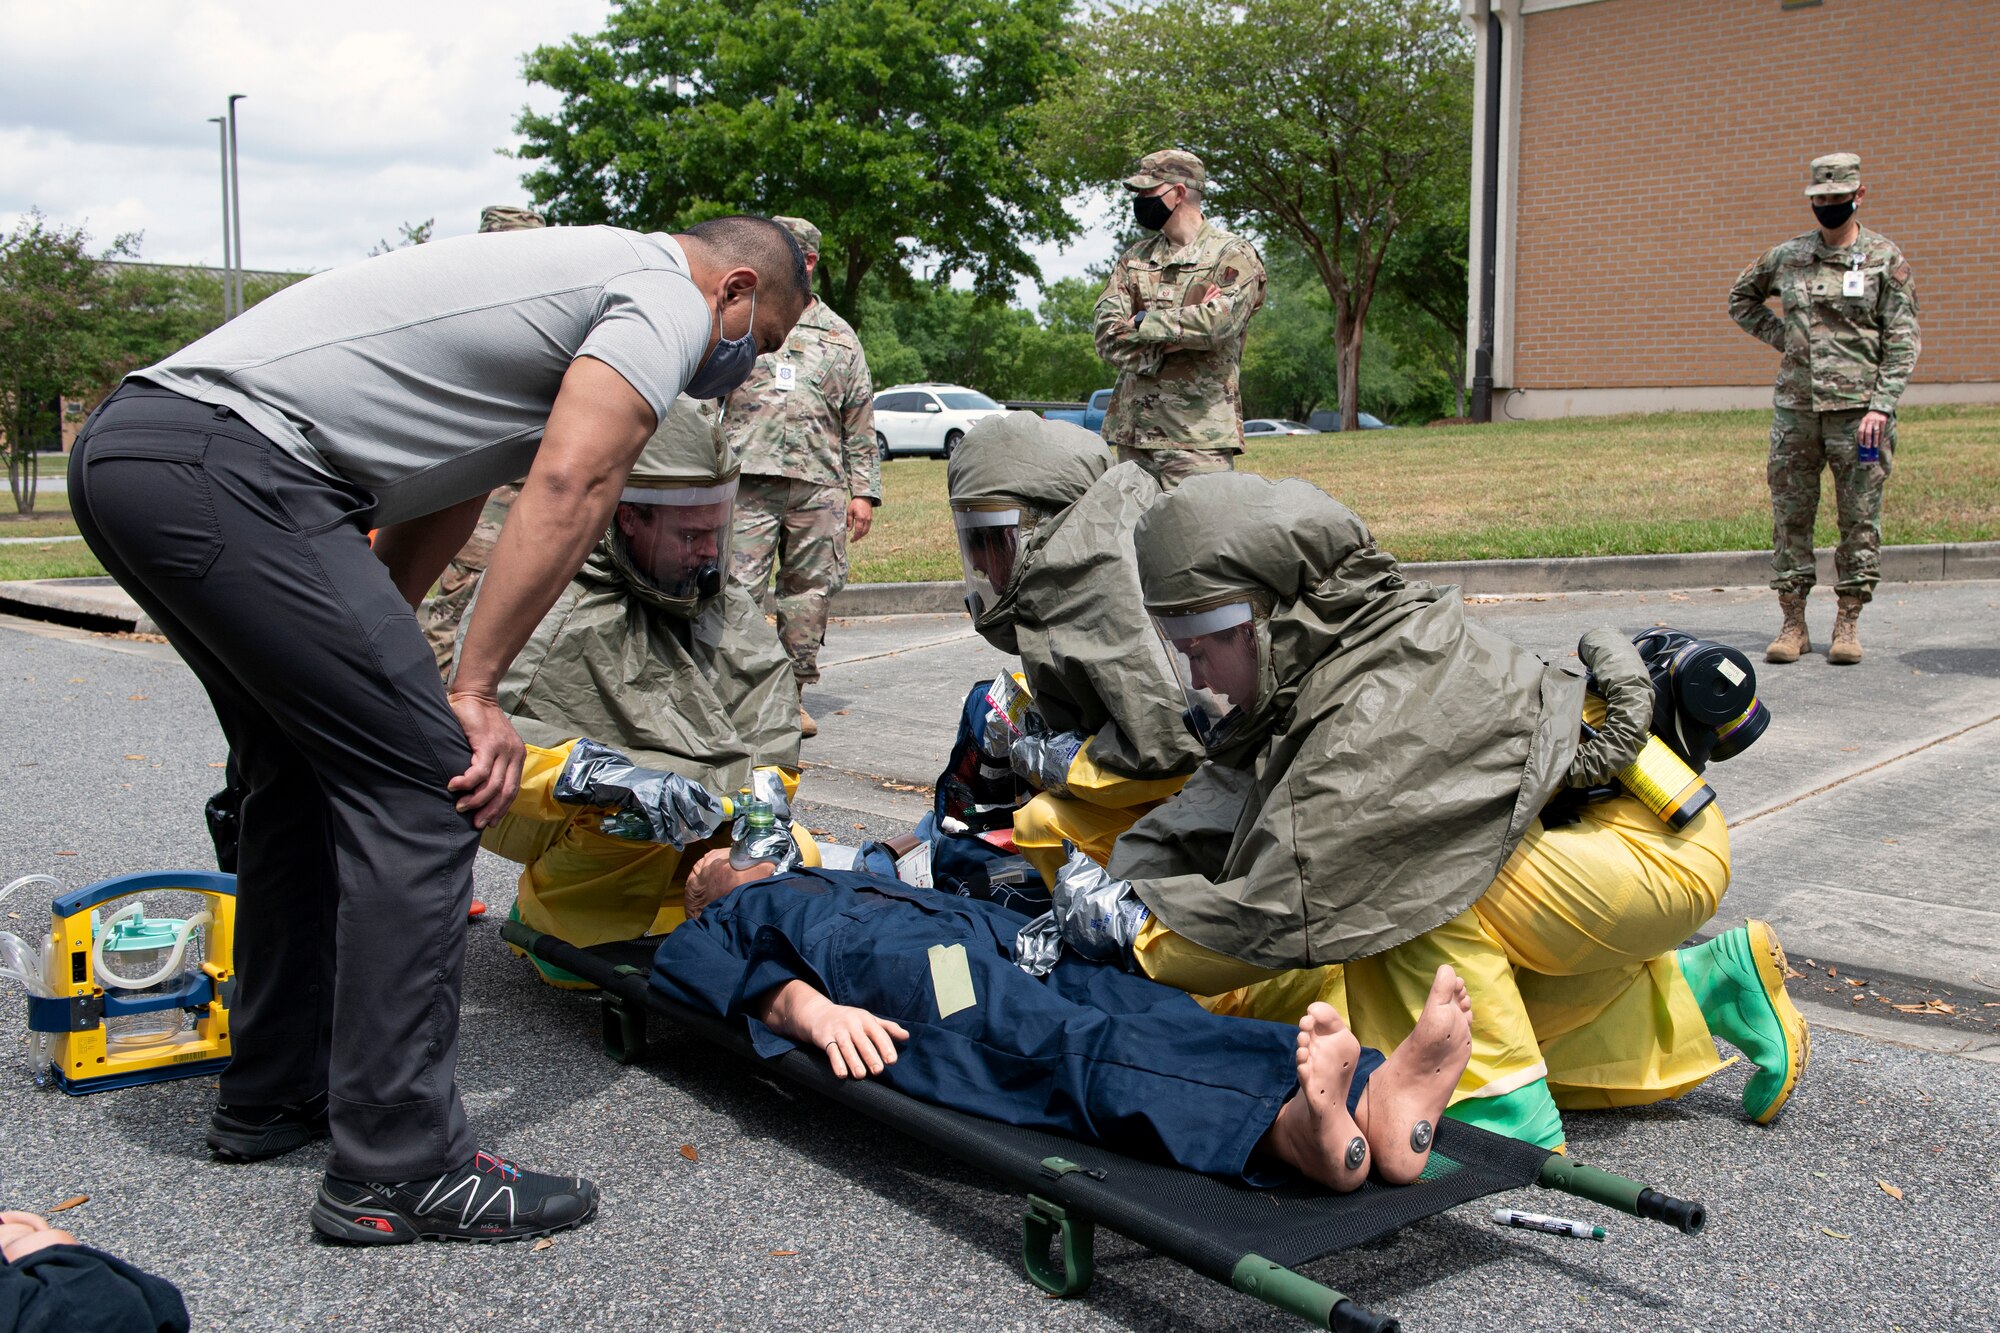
(850, 288)
(1347, 348)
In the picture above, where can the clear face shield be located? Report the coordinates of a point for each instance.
(988, 540)
(1216, 659)
(677, 537)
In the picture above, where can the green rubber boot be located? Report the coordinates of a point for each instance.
(1738, 979)
(1527, 1113)
(550, 974)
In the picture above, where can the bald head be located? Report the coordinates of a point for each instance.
(743, 241)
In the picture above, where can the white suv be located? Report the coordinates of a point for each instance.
(928, 418)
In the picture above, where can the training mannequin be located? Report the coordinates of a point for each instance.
(920, 989)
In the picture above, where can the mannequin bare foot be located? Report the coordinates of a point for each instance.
(1314, 1134)
(1400, 1107)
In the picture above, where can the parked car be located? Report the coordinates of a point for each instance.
(928, 418)
(1330, 420)
(1090, 416)
(1275, 426)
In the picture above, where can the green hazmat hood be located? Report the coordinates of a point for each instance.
(1007, 479)
(698, 685)
(1397, 752)
(1020, 459)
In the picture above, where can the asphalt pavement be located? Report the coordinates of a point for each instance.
(1863, 828)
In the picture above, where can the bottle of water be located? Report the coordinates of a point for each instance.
(759, 838)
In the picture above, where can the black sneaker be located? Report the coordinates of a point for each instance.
(252, 1133)
(486, 1199)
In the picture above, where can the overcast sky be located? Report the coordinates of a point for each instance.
(361, 115)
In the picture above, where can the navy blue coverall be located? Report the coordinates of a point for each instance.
(1090, 1051)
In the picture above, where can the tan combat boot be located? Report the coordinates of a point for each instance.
(1792, 639)
(807, 727)
(1846, 650)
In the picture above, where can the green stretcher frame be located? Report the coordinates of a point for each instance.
(1065, 1202)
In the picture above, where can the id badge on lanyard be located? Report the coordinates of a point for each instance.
(1854, 282)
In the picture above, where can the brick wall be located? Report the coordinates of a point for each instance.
(1663, 145)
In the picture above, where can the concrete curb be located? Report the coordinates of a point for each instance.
(101, 599)
(1488, 578)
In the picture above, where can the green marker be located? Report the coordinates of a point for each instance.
(1555, 1226)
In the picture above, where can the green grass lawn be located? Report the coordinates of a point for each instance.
(1671, 481)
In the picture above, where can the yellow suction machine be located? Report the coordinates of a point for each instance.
(117, 997)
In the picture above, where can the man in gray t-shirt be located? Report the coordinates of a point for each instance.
(231, 490)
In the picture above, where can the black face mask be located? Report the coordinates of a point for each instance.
(1833, 216)
(1151, 212)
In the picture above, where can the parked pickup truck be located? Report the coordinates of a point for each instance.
(1090, 417)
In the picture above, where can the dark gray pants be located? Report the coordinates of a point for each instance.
(354, 871)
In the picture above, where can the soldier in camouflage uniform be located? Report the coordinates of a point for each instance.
(803, 428)
(1848, 332)
(446, 607)
(1172, 320)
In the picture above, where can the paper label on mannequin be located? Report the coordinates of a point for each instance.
(951, 979)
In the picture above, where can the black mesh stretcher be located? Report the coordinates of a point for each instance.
(1249, 1239)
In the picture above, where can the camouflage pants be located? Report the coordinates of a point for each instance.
(803, 528)
(1804, 444)
(446, 607)
(1171, 467)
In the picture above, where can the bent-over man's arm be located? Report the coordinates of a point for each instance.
(596, 429)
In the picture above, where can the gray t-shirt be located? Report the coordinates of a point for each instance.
(426, 375)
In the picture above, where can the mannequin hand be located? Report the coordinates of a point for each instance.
(21, 1234)
(855, 1042)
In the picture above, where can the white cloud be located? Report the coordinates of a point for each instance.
(359, 116)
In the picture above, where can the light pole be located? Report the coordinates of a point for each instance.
(228, 264)
(236, 198)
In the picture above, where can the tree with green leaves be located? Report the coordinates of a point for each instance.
(53, 295)
(1331, 123)
(898, 127)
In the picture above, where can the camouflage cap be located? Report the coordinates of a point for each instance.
(506, 217)
(1836, 173)
(1169, 166)
(803, 232)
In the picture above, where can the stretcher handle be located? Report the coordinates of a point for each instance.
(1295, 1293)
(1623, 1193)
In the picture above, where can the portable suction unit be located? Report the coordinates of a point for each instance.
(131, 999)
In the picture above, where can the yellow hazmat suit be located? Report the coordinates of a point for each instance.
(1578, 996)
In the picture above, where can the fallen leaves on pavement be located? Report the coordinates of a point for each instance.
(73, 1201)
(1837, 1235)
(545, 1243)
(1889, 1189)
(687, 1151)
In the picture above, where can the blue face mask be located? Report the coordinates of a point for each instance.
(729, 363)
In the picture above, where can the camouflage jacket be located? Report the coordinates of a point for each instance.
(1177, 367)
(808, 411)
(1840, 351)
